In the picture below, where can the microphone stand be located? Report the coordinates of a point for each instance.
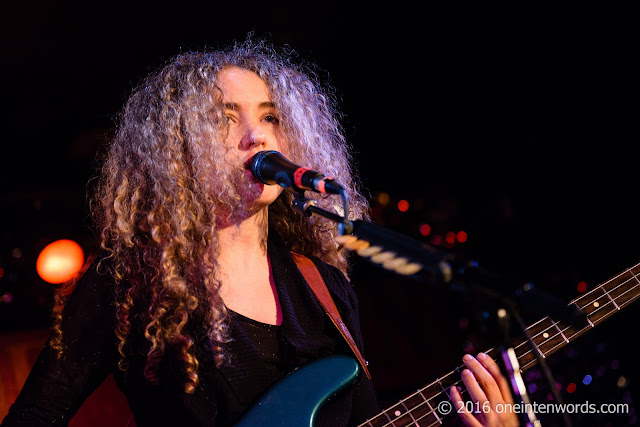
(512, 366)
(405, 256)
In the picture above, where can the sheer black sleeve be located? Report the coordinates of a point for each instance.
(57, 387)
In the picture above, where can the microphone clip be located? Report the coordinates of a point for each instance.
(309, 206)
(302, 203)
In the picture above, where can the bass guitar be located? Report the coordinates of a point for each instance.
(296, 399)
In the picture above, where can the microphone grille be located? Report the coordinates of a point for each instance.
(256, 162)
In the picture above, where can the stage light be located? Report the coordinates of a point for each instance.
(571, 388)
(450, 237)
(59, 261)
(582, 286)
(425, 229)
(461, 236)
(403, 206)
(622, 382)
(383, 198)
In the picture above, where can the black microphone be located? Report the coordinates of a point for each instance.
(271, 167)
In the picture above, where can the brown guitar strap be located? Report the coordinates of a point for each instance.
(319, 289)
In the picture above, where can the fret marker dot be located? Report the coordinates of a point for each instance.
(545, 335)
(397, 413)
(596, 304)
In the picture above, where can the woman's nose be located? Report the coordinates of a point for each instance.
(254, 137)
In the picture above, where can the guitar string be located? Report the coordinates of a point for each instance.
(554, 324)
(561, 331)
(567, 328)
(599, 320)
(424, 425)
(629, 270)
(432, 411)
(437, 394)
(455, 384)
(581, 330)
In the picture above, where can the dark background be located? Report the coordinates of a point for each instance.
(517, 123)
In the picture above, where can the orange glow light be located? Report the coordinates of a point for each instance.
(383, 198)
(60, 261)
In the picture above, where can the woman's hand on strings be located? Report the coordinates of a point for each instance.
(491, 400)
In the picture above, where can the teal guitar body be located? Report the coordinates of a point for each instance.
(296, 399)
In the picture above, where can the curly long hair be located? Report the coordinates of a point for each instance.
(165, 184)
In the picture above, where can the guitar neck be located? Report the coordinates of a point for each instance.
(547, 335)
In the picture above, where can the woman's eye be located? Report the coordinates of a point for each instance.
(272, 119)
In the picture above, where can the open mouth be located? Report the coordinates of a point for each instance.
(253, 181)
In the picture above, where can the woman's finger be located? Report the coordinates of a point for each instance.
(493, 368)
(458, 403)
(485, 380)
(476, 393)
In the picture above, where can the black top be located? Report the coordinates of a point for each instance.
(259, 355)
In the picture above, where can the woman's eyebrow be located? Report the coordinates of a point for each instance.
(267, 105)
(263, 105)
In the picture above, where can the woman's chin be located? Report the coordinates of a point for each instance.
(266, 197)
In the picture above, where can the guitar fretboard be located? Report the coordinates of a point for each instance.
(548, 336)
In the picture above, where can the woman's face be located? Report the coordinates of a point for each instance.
(254, 125)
